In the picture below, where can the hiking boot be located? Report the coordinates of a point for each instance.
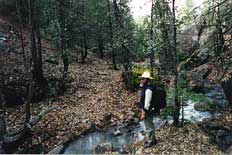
(150, 143)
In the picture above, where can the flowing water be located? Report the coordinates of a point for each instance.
(126, 135)
(87, 144)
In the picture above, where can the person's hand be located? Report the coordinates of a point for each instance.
(143, 115)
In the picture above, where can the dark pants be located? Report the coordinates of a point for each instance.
(150, 126)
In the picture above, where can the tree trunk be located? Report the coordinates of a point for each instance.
(152, 39)
(3, 130)
(19, 13)
(177, 104)
(33, 41)
(111, 37)
(39, 57)
(125, 50)
(2, 116)
(62, 22)
(220, 37)
(127, 68)
(100, 46)
(84, 51)
(28, 102)
(36, 50)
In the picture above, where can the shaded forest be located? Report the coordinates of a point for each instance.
(71, 68)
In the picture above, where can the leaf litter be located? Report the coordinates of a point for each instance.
(94, 93)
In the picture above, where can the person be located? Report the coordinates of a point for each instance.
(147, 114)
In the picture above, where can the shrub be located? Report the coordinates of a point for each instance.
(168, 111)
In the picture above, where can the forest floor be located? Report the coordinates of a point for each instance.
(95, 94)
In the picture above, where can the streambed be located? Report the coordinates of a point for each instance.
(118, 138)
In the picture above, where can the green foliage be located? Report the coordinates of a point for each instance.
(143, 43)
(202, 102)
(168, 111)
(53, 59)
(188, 13)
(55, 87)
(182, 56)
(7, 6)
(205, 106)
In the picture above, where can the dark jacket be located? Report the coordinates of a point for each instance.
(142, 97)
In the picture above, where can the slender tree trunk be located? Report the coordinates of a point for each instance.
(36, 47)
(18, 8)
(220, 37)
(3, 131)
(100, 46)
(2, 113)
(84, 52)
(177, 104)
(33, 41)
(39, 57)
(28, 101)
(62, 22)
(113, 56)
(152, 39)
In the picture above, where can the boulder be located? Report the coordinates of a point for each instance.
(197, 76)
(104, 147)
(229, 150)
(124, 149)
(193, 37)
(188, 39)
(227, 87)
(224, 138)
(206, 35)
(1, 148)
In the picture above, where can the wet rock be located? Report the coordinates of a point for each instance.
(1, 148)
(229, 150)
(185, 104)
(117, 132)
(136, 120)
(218, 97)
(227, 85)
(124, 149)
(57, 150)
(224, 138)
(219, 133)
(213, 126)
(102, 148)
(140, 136)
(139, 151)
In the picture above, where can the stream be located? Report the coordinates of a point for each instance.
(119, 137)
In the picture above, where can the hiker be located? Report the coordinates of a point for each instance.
(145, 104)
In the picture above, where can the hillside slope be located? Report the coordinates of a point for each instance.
(95, 95)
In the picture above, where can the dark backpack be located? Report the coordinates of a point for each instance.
(158, 101)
